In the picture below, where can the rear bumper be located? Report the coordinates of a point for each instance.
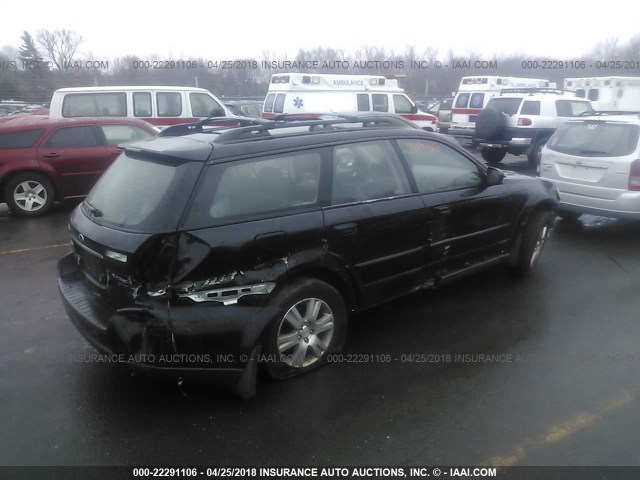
(585, 199)
(457, 131)
(205, 342)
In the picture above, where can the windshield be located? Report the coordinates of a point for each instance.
(142, 195)
(505, 105)
(595, 139)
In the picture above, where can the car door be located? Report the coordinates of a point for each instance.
(470, 221)
(376, 226)
(75, 156)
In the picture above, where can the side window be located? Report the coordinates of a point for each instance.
(117, 134)
(477, 100)
(23, 139)
(257, 187)
(593, 94)
(169, 104)
(202, 105)
(402, 104)
(580, 93)
(142, 104)
(380, 102)
(278, 105)
(530, 108)
(73, 137)
(95, 105)
(367, 171)
(363, 102)
(462, 101)
(571, 108)
(268, 102)
(437, 167)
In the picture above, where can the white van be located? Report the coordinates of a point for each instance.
(317, 94)
(475, 92)
(607, 93)
(158, 105)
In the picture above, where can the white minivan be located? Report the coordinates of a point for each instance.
(594, 162)
(158, 105)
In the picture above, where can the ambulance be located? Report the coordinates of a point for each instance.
(317, 94)
(475, 92)
(607, 93)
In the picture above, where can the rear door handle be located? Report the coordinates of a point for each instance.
(346, 228)
(51, 155)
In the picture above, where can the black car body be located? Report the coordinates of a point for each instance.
(199, 252)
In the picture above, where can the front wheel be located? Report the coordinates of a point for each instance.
(492, 155)
(29, 194)
(534, 238)
(310, 324)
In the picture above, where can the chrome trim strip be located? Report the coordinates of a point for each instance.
(469, 235)
(229, 295)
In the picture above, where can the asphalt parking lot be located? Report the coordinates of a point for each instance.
(489, 370)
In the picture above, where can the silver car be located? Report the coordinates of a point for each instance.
(594, 163)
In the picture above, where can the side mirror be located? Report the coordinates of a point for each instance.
(494, 176)
(217, 112)
(414, 109)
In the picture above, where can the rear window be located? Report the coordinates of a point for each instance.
(477, 100)
(462, 100)
(595, 139)
(278, 106)
(268, 103)
(572, 108)
(116, 134)
(95, 105)
(142, 195)
(23, 139)
(505, 105)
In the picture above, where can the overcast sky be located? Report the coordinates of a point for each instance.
(219, 30)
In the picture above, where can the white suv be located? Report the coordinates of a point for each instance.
(594, 163)
(521, 120)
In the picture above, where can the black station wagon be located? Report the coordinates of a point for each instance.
(230, 249)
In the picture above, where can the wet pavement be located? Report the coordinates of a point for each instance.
(489, 370)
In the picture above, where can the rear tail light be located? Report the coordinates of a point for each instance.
(524, 122)
(634, 176)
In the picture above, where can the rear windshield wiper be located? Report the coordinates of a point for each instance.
(95, 212)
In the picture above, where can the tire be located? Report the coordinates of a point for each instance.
(568, 215)
(490, 124)
(292, 352)
(534, 237)
(29, 194)
(493, 156)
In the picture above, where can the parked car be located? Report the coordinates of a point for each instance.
(594, 163)
(442, 110)
(159, 105)
(253, 245)
(521, 120)
(245, 108)
(43, 160)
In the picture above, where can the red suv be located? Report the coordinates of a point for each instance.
(43, 160)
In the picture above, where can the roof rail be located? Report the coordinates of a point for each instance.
(198, 127)
(245, 126)
(595, 113)
(531, 90)
(324, 122)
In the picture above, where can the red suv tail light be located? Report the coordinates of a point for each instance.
(634, 175)
(524, 122)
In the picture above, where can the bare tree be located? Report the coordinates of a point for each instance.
(60, 46)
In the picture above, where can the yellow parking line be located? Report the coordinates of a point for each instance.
(561, 431)
(24, 250)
